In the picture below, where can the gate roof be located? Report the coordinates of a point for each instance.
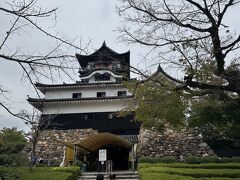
(96, 141)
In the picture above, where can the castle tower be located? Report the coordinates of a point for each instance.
(94, 102)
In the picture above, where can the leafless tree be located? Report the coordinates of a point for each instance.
(24, 15)
(189, 35)
(37, 124)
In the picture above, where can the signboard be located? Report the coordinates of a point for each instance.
(102, 155)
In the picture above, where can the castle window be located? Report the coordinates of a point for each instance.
(76, 95)
(122, 93)
(88, 116)
(110, 116)
(101, 94)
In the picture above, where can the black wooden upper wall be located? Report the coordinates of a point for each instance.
(101, 121)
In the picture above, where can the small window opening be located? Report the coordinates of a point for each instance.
(110, 116)
(76, 95)
(122, 93)
(101, 94)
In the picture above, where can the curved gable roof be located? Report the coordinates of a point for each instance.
(104, 53)
(97, 141)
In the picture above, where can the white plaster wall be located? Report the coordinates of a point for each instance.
(86, 92)
(84, 107)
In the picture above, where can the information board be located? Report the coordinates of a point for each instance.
(102, 155)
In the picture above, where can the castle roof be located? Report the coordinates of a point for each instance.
(104, 53)
(38, 103)
(43, 87)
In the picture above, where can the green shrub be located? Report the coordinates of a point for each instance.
(212, 159)
(12, 141)
(55, 175)
(195, 173)
(192, 166)
(146, 160)
(73, 170)
(199, 160)
(40, 173)
(155, 159)
(192, 160)
(163, 176)
(226, 160)
(9, 173)
(13, 159)
(165, 159)
(230, 160)
(189, 160)
(235, 159)
(215, 159)
(168, 159)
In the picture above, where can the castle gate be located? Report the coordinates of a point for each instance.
(118, 152)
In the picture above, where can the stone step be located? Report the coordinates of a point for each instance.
(107, 177)
(113, 172)
(120, 175)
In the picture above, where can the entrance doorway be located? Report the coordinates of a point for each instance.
(119, 157)
(117, 151)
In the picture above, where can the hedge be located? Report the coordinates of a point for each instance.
(189, 160)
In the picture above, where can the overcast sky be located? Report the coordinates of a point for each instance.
(88, 19)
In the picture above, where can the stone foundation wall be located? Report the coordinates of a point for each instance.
(50, 149)
(151, 143)
(170, 143)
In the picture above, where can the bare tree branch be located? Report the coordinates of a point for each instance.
(189, 33)
(10, 112)
(36, 65)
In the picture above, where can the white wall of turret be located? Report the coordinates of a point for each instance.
(87, 107)
(86, 92)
